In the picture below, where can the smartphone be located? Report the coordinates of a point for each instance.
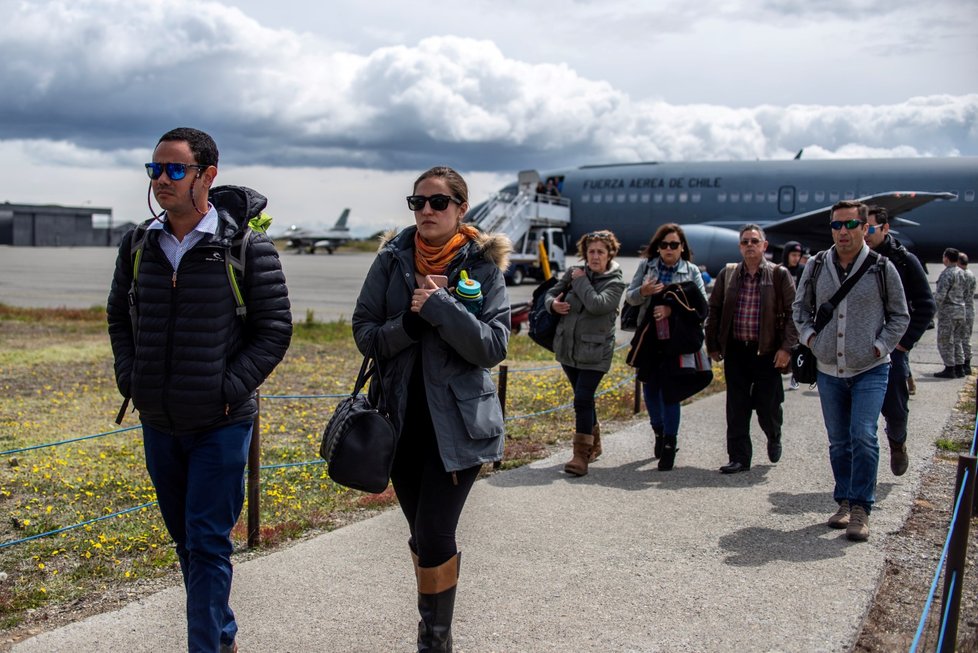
(439, 280)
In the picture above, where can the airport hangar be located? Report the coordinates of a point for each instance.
(48, 225)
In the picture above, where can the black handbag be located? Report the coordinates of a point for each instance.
(803, 366)
(629, 317)
(543, 323)
(359, 440)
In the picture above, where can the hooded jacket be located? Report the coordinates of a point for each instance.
(457, 347)
(193, 365)
(585, 337)
(916, 288)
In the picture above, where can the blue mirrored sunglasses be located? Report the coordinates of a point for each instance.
(175, 171)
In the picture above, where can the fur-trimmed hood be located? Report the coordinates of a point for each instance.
(495, 247)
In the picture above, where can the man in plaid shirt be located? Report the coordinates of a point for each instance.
(750, 329)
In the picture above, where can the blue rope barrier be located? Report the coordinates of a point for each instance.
(947, 609)
(4, 545)
(940, 565)
(305, 396)
(55, 444)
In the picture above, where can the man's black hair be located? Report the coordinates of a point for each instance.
(882, 216)
(951, 254)
(201, 144)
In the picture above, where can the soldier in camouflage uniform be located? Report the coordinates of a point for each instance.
(969, 311)
(952, 289)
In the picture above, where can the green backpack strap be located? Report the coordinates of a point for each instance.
(237, 259)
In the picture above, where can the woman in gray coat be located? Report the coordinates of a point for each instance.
(587, 299)
(435, 336)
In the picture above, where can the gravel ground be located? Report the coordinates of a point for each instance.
(911, 560)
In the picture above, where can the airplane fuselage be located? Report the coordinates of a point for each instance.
(634, 199)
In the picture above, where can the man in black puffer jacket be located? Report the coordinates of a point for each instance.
(922, 307)
(192, 360)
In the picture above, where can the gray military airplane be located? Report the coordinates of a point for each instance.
(790, 199)
(302, 239)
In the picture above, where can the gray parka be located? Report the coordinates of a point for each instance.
(456, 352)
(585, 337)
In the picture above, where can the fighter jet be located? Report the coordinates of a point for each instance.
(303, 240)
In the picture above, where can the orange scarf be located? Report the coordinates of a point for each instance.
(434, 260)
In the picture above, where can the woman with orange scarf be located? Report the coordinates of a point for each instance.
(435, 313)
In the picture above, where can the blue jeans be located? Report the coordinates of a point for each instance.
(851, 410)
(663, 416)
(199, 481)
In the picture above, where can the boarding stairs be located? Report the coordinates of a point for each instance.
(513, 215)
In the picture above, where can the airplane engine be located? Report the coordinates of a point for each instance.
(713, 247)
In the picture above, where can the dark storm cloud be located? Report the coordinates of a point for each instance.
(111, 76)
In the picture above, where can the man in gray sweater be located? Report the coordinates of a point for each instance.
(852, 346)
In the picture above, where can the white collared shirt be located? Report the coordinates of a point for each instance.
(175, 249)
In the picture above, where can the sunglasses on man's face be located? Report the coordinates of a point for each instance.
(848, 224)
(175, 171)
(438, 202)
(750, 241)
(672, 244)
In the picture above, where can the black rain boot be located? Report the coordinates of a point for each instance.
(959, 371)
(436, 605)
(949, 372)
(669, 449)
(967, 367)
(657, 448)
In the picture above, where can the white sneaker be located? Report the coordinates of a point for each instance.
(793, 384)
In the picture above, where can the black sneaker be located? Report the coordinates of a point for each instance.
(774, 450)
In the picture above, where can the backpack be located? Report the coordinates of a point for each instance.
(226, 200)
(230, 202)
(880, 267)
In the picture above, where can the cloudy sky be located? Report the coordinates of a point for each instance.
(326, 105)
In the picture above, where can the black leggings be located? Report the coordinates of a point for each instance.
(585, 385)
(431, 498)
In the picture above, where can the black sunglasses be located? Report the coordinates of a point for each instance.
(848, 224)
(438, 202)
(175, 171)
(674, 244)
(750, 241)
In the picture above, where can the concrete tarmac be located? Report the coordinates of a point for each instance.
(626, 559)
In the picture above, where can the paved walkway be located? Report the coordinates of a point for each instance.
(626, 559)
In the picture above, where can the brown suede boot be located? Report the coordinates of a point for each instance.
(583, 444)
(596, 449)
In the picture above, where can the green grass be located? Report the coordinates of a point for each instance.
(56, 383)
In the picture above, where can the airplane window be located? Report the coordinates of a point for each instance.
(850, 195)
(773, 197)
(735, 197)
(633, 197)
(658, 198)
(969, 196)
(609, 198)
(597, 198)
(670, 198)
(833, 197)
(696, 197)
(803, 196)
(646, 197)
(759, 197)
(586, 198)
(819, 196)
(621, 197)
(748, 197)
(683, 197)
(721, 197)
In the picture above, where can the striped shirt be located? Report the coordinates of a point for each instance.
(175, 249)
(747, 317)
